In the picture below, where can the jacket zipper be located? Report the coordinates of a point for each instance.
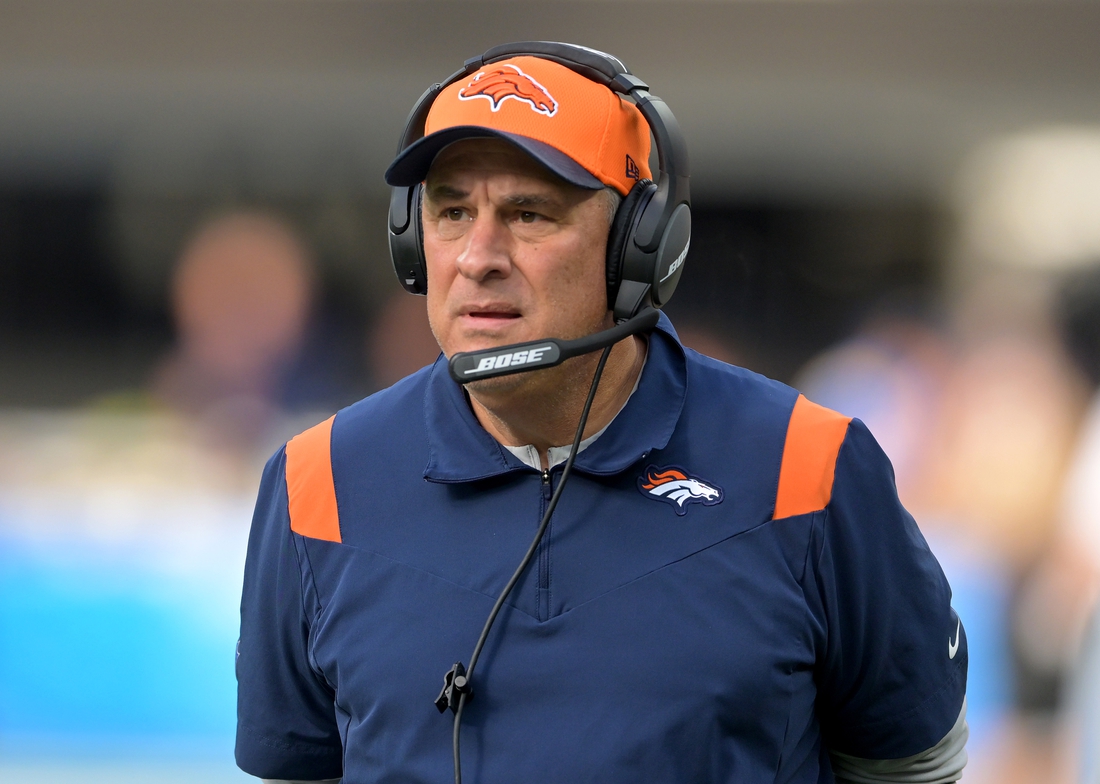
(542, 584)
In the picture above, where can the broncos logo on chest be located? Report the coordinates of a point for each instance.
(674, 486)
(507, 81)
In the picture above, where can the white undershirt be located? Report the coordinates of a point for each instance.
(557, 455)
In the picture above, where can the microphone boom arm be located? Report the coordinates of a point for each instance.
(470, 366)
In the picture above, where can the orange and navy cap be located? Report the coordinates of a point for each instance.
(577, 128)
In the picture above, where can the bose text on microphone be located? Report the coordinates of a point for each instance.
(470, 366)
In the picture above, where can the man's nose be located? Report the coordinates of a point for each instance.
(486, 252)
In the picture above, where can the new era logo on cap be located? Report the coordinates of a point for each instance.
(632, 170)
(508, 81)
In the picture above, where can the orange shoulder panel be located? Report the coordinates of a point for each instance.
(814, 436)
(309, 486)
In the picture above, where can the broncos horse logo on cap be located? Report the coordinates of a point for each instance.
(674, 486)
(507, 81)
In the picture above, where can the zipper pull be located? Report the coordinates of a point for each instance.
(546, 477)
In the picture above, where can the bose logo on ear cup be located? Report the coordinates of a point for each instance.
(676, 264)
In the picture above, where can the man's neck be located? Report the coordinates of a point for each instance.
(546, 415)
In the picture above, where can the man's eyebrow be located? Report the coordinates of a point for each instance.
(443, 192)
(446, 192)
(531, 200)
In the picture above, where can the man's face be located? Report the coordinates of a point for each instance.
(513, 253)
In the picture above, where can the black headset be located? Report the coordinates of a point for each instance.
(651, 232)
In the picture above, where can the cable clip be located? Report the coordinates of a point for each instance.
(455, 684)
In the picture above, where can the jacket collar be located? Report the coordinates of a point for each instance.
(461, 450)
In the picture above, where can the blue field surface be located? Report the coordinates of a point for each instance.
(99, 772)
(117, 664)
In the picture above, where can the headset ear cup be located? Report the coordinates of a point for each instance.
(622, 232)
(418, 237)
(406, 239)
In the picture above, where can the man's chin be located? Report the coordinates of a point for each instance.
(476, 335)
(501, 385)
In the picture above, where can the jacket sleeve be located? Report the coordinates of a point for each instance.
(286, 722)
(892, 672)
(941, 764)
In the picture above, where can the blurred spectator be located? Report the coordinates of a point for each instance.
(1079, 312)
(240, 298)
(1073, 569)
(1007, 427)
(1028, 210)
(1012, 404)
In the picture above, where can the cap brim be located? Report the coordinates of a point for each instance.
(412, 164)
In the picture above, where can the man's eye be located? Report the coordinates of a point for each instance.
(454, 214)
(528, 217)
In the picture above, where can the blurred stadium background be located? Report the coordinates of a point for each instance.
(897, 210)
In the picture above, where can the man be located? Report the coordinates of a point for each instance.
(728, 590)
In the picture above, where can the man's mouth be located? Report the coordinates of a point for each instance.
(500, 315)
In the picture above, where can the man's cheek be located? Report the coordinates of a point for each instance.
(441, 325)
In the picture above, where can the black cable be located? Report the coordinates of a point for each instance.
(466, 676)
